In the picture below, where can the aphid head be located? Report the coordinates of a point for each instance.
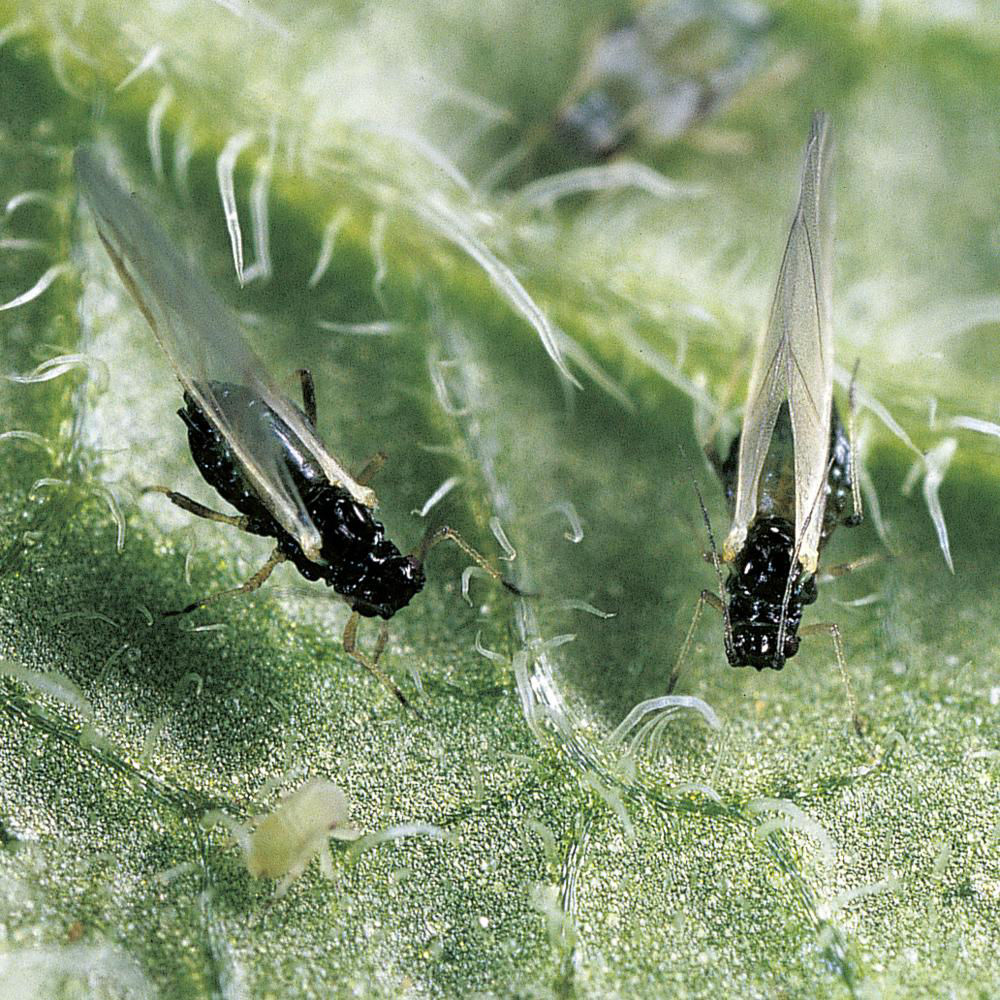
(392, 586)
(410, 578)
(756, 645)
(767, 591)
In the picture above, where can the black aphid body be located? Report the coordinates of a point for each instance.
(766, 568)
(359, 562)
(254, 446)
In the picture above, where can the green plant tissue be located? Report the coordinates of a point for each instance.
(540, 332)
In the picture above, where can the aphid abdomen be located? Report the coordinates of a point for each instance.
(755, 593)
(286, 839)
(776, 495)
(215, 458)
(776, 489)
(278, 845)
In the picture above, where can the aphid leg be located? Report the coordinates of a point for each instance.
(371, 469)
(435, 536)
(308, 394)
(326, 862)
(200, 510)
(383, 638)
(350, 641)
(833, 631)
(858, 515)
(286, 883)
(277, 556)
(713, 601)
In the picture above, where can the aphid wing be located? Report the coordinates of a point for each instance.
(335, 472)
(810, 366)
(201, 338)
(794, 361)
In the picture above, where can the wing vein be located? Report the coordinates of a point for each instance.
(794, 360)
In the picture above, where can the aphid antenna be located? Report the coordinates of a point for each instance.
(434, 536)
(717, 601)
(726, 623)
(714, 549)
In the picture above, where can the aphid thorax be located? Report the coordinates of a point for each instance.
(755, 595)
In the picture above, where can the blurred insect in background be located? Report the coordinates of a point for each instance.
(654, 76)
(256, 448)
(789, 474)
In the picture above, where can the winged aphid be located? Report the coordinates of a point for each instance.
(789, 474)
(255, 447)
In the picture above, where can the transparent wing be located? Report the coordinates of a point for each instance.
(204, 343)
(794, 360)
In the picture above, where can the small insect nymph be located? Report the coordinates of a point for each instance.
(789, 474)
(255, 447)
(284, 841)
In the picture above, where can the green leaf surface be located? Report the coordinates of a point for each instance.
(779, 854)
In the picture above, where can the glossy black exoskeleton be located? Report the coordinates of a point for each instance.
(355, 558)
(767, 588)
(359, 562)
(252, 444)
